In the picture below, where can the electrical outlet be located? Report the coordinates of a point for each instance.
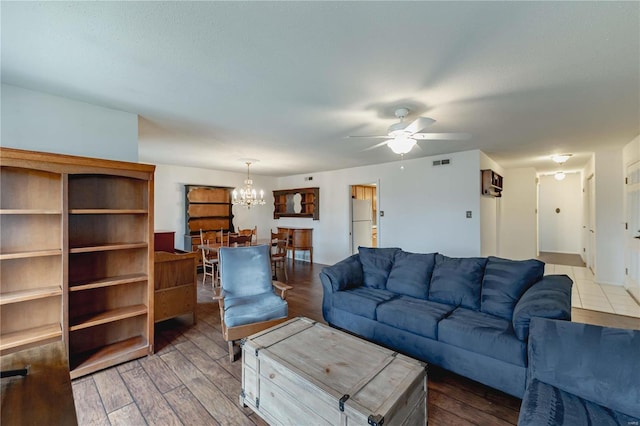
(468, 214)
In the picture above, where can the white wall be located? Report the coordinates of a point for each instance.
(424, 206)
(41, 122)
(519, 227)
(169, 202)
(609, 217)
(560, 232)
(490, 212)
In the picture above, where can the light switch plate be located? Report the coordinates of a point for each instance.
(468, 214)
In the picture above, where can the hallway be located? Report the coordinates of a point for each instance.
(586, 293)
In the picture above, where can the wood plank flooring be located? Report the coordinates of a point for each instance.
(190, 381)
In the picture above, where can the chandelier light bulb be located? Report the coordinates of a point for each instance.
(247, 196)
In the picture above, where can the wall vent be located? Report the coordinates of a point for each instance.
(308, 178)
(437, 162)
(442, 162)
(446, 161)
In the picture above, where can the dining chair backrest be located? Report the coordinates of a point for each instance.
(253, 233)
(239, 240)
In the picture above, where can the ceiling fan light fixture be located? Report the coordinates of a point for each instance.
(401, 145)
(559, 176)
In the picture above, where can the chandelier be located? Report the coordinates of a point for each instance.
(247, 195)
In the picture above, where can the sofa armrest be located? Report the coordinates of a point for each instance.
(345, 274)
(598, 364)
(548, 298)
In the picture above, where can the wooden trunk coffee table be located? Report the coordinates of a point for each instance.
(302, 372)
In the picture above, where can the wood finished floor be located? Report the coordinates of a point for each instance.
(190, 381)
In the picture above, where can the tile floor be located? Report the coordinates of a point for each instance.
(587, 294)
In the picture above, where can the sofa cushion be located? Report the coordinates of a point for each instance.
(457, 281)
(361, 301)
(505, 281)
(411, 274)
(254, 308)
(417, 316)
(483, 333)
(376, 265)
(544, 404)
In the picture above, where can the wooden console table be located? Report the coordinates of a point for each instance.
(44, 396)
(299, 239)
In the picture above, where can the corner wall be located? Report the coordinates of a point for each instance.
(38, 121)
(519, 224)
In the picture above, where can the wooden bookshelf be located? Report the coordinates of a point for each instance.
(76, 257)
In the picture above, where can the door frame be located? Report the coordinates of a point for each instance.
(375, 184)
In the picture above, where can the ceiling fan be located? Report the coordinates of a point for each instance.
(402, 137)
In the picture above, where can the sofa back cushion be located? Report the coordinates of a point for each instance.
(505, 281)
(376, 265)
(411, 274)
(457, 281)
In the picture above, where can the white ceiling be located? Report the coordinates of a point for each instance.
(286, 82)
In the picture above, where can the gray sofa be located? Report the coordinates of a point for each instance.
(467, 315)
(581, 374)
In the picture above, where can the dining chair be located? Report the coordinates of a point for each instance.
(209, 260)
(279, 253)
(253, 233)
(239, 240)
(246, 296)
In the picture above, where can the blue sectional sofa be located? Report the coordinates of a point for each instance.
(467, 315)
(581, 374)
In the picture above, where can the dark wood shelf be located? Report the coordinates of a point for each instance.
(309, 203)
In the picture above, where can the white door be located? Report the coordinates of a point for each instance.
(632, 233)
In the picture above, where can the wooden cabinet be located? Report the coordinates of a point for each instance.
(301, 202)
(175, 285)
(300, 239)
(491, 183)
(93, 252)
(208, 208)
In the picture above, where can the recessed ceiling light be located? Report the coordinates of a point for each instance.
(561, 158)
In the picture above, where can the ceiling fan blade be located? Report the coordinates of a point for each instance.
(441, 136)
(419, 124)
(370, 137)
(378, 145)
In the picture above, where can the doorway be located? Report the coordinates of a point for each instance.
(632, 232)
(363, 224)
(591, 224)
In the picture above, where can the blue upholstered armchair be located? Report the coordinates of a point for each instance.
(246, 297)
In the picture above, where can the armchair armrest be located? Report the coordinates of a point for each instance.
(282, 287)
(218, 294)
(548, 298)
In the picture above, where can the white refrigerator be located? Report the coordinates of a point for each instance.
(361, 224)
